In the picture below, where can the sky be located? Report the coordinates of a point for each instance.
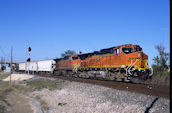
(51, 27)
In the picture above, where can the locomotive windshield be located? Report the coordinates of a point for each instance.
(127, 50)
(138, 49)
(74, 58)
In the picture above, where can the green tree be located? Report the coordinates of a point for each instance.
(161, 72)
(162, 59)
(68, 53)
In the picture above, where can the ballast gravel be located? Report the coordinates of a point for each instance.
(77, 97)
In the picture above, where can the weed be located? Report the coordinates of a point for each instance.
(61, 104)
(44, 83)
(21, 87)
(4, 90)
(161, 77)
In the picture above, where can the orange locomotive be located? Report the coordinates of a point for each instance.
(125, 62)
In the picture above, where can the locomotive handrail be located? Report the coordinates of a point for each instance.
(151, 71)
(131, 66)
(75, 69)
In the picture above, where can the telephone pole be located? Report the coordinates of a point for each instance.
(11, 63)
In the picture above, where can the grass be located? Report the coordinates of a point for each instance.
(2, 76)
(4, 90)
(161, 77)
(44, 83)
(26, 86)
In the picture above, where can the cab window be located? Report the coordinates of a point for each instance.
(74, 58)
(138, 49)
(127, 50)
(116, 51)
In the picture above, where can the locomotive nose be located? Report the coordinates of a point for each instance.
(142, 61)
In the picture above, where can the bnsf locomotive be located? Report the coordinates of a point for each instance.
(120, 63)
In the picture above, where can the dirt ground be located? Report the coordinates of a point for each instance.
(19, 103)
(44, 95)
(14, 96)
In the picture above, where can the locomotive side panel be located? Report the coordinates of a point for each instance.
(106, 61)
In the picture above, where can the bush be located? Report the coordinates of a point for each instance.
(161, 73)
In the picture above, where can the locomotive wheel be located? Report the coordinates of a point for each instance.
(141, 78)
(110, 76)
(126, 80)
(120, 76)
(76, 75)
(82, 74)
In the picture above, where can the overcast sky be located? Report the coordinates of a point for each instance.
(52, 26)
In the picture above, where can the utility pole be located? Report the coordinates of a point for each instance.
(26, 64)
(11, 63)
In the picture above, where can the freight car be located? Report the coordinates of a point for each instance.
(121, 63)
(46, 66)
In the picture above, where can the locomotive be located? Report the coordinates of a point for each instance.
(120, 63)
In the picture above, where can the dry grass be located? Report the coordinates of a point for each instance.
(44, 83)
(5, 88)
(2, 76)
(25, 87)
(161, 78)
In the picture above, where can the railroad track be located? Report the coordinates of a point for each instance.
(148, 89)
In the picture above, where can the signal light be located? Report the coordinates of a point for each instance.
(29, 49)
(28, 60)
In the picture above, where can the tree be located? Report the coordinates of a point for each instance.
(68, 53)
(162, 59)
(161, 72)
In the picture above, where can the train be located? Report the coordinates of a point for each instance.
(120, 63)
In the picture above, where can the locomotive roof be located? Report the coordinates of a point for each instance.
(83, 56)
(102, 51)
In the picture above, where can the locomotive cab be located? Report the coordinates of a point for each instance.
(136, 60)
(134, 53)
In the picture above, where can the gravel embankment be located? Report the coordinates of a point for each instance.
(76, 97)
